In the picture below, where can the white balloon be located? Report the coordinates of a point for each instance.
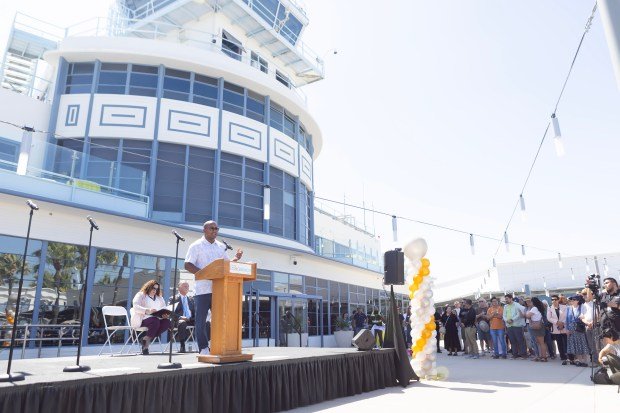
(424, 303)
(415, 249)
(428, 293)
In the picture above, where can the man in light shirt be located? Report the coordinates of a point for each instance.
(201, 253)
(515, 321)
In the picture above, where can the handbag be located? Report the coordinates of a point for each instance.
(580, 326)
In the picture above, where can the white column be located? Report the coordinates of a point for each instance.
(24, 152)
(610, 16)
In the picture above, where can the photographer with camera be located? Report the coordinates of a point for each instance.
(611, 290)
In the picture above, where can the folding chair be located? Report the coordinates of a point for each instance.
(110, 330)
(190, 338)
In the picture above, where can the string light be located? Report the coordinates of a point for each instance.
(605, 267)
(557, 137)
(522, 204)
(471, 244)
(560, 265)
(572, 274)
(506, 241)
(523, 253)
(494, 263)
(587, 266)
(394, 228)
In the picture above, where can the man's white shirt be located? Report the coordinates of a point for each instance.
(202, 253)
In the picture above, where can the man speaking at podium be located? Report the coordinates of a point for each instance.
(201, 253)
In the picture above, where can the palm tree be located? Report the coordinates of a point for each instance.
(63, 258)
(10, 266)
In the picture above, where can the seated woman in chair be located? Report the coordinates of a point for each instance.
(146, 302)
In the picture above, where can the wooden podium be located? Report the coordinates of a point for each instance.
(228, 278)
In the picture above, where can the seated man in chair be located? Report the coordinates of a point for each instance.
(184, 308)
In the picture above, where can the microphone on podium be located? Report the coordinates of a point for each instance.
(228, 247)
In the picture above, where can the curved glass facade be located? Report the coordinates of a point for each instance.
(187, 183)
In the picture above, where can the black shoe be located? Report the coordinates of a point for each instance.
(145, 351)
(438, 351)
(182, 349)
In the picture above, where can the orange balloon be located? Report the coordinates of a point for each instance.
(425, 262)
(411, 295)
(427, 334)
(424, 271)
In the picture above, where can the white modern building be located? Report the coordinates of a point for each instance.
(536, 277)
(161, 116)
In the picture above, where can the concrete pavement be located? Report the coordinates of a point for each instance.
(483, 384)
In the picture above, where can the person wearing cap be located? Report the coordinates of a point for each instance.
(577, 345)
(513, 317)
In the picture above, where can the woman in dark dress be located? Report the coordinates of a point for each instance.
(451, 337)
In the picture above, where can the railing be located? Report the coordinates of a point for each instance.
(296, 325)
(74, 182)
(65, 333)
(103, 26)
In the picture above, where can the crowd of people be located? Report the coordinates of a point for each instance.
(576, 329)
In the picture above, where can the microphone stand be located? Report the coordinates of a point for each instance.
(170, 364)
(77, 367)
(8, 377)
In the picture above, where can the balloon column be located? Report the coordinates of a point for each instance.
(422, 321)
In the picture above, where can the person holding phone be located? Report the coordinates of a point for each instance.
(147, 301)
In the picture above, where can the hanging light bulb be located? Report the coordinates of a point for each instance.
(557, 137)
(560, 265)
(506, 241)
(605, 267)
(394, 228)
(587, 266)
(545, 283)
(267, 203)
(471, 244)
(489, 274)
(523, 253)
(522, 204)
(494, 263)
(572, 274)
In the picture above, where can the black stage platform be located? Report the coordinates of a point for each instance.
(277, 379)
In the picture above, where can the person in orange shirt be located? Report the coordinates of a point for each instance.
(496, 321)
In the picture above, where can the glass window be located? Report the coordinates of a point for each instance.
(276, 116)
(102, 163)
(170, 178)
(143, 80)
(177, 84)
(233, 98)
(205, 90)
(80, 78)
(289, 125)
(255, 106)
(296, 284)
(68, 157)
(281, 77)
(282, 221)
(11, 258)
(9, 151)
(292, 28)
(258, 62)
(63, 281)
(110, 287)
(146, 268)
(280, 282)
(231, 46)
(334, 305)
(112, 78)
(200, 174)
(241, 192)
(135, 166)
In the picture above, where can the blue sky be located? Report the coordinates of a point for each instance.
(434, 110)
